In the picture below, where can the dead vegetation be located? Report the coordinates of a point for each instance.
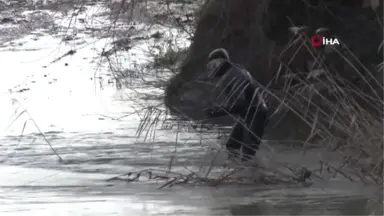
(343, 118)
(229, 176)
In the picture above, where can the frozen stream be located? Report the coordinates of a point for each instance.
(79, 117)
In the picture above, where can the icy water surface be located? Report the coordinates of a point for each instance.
(82, 116)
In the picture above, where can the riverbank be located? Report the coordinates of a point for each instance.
(74, 99)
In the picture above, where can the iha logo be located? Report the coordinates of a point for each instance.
(317, 41)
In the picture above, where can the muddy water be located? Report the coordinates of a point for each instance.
(93, 126)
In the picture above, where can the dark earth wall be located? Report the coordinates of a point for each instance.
(255, 33)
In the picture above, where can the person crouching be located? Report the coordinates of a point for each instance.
(246, 104)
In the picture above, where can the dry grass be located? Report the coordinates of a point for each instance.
(162, 19)
(212, 173)
(344, 117)
(20, 111)
(169, 178)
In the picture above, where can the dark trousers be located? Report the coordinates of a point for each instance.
(247, 133)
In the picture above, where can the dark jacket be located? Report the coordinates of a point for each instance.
(237, 86)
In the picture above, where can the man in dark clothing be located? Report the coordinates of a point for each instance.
(243, 100)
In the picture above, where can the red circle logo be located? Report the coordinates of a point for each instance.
(316, 40)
